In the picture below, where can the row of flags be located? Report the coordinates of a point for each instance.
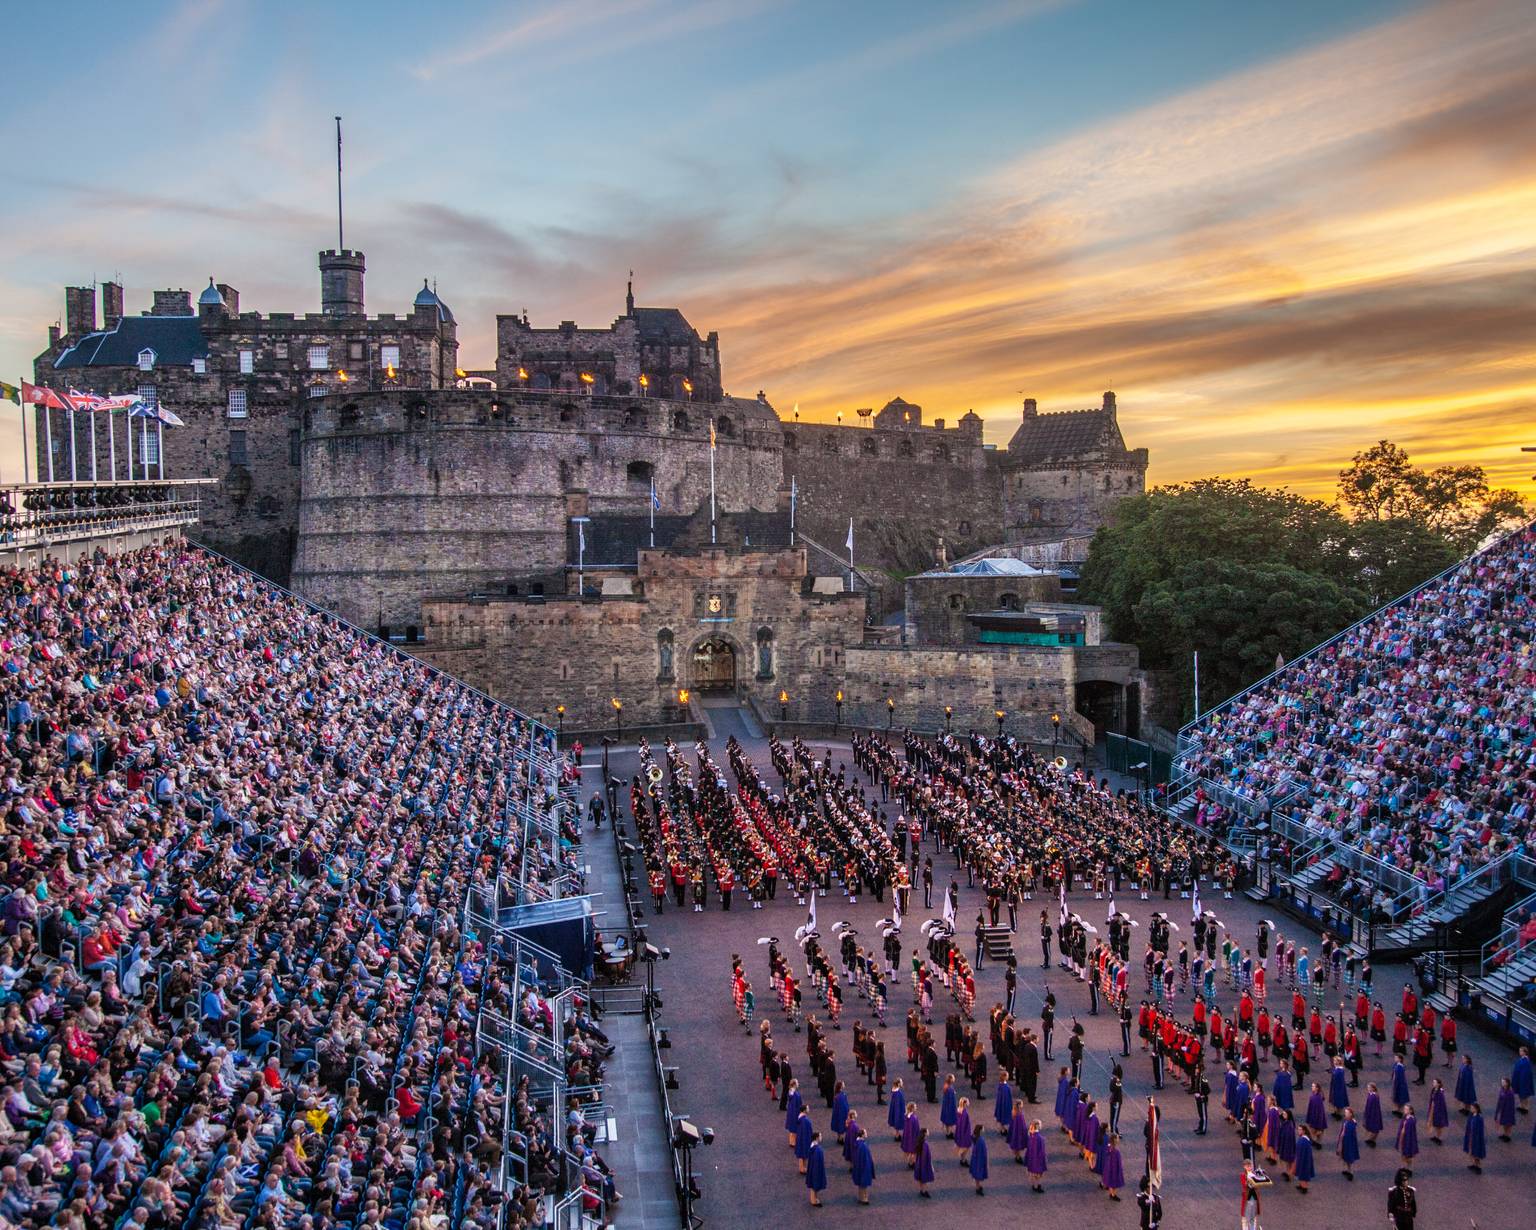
(75, 401)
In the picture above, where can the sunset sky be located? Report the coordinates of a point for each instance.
(1279, 231)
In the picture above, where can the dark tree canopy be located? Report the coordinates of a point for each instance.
(1244, 573)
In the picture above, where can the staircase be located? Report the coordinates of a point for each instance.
(998, 942)
(1422, 931)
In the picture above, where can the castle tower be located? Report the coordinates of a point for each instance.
(341, 282)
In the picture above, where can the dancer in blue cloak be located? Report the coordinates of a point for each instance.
(978, 1165)
(1473, 1141)
(1349, 1144)
(863, 1167)
(1408, 1139)
(922, 1165)
(1466, 1085)
(816, 1170)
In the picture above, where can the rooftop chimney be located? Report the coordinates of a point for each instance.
(172, 303)
(231, 298)
(79, 310)
(1030, 409)
(111, 304)
(341, 282)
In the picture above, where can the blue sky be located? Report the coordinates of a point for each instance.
(835, 187)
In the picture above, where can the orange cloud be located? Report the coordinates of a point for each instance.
(1273, 271)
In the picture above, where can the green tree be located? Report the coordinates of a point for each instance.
(1454, 503)
(1242, 573)
(1240, 615)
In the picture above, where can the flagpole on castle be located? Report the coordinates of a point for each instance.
(93, 446)
(711, 484)
(73, 475)
(111, 449)
(793, 492)
(653, 513)
(48, 437)
(160, 444)
(128, 431)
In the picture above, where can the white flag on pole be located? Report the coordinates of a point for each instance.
(949, 909)
(849, 543)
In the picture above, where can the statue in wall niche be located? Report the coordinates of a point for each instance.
(765, 657)
(666, 659)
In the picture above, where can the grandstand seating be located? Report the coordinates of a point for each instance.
(1396, 762)
(237, 985)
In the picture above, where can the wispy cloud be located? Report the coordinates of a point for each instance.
(563, 34)
(1268, 250)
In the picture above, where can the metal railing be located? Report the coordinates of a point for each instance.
(45, 514)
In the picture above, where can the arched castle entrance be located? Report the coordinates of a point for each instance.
(714, 666)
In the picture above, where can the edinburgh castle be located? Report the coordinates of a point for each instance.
(562, 491)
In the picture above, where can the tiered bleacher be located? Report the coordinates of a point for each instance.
(1396, 764)
(239, 986)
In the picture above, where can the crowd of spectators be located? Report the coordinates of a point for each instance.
(235, 989)
(1410, 736)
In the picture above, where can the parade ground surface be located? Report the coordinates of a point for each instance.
(749, 1178)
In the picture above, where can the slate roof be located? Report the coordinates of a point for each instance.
(176, 341)
(1066, 434)
(664, 324)
(994, 566)
(427, 297)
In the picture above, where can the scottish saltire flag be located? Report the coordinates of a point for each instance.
(655, 499)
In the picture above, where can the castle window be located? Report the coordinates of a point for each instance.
(200, 367)
(1037, 510)
(634, 417)
(237, 404)
(1008, 602)
(282, 350)
(389, 356)
(355, 352)
(765, 653)
(541, 381)
(725, 427)
(318, 389)
(640, 473)
(238, 453)
(149, 444)
(868, 447)
(1106, 482)
(1130, 482)
(680, 420)
(146, 360)
(319, 358)
(829, 444)
(247, 362)
(965, 528)
(293, 446)
(957, 602)
(904, 449)
(664, 654)
(148, 396)
(1063, 480)
(942, 452)
(567, 414)
(791, 443)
